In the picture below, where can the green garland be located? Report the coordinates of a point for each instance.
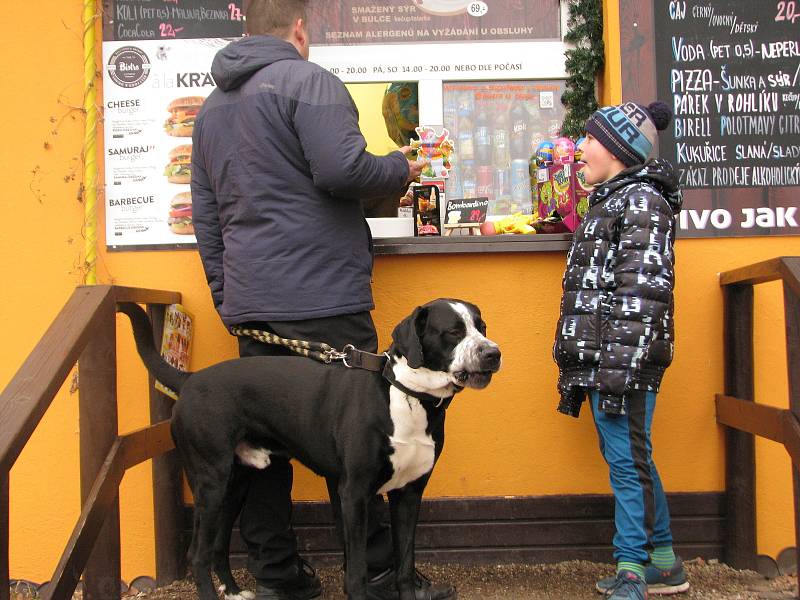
(583, 64)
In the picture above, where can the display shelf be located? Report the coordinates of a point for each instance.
(551, 242)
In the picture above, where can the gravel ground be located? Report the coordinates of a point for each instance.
(563, 581)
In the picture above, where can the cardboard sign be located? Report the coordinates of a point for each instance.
(176, 342)
(466, 211)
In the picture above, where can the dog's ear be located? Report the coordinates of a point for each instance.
(406, 336)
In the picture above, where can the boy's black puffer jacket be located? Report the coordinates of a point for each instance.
(615, 332)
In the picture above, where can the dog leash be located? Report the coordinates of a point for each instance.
(352, 357)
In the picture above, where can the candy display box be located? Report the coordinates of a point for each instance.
(561, 191)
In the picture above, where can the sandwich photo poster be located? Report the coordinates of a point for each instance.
(152, 90)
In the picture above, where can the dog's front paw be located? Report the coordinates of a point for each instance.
(243, 595)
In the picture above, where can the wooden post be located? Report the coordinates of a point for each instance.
(98, 431)
(791, 306)
(740, 538)
(167, 483)
(5, 593)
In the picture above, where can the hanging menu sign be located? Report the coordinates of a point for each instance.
(171, 19)
(157, 58)
(151, 94)
(731, 71)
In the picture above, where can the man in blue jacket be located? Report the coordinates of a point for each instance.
(279, 169)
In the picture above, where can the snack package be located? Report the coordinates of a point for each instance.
(563, 194)
(564, 151)
(544, 153)
(437, 149)
(406, 210)
(579, 148)
(517, 223)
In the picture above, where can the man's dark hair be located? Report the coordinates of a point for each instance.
(273, 17)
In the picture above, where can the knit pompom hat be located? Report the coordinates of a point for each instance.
(629, 131)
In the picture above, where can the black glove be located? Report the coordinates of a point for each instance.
(571, 401)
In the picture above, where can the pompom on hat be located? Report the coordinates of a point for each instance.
(629, 131)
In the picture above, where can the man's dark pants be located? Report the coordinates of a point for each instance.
(266, 519)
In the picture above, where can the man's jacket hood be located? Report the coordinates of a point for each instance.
(240, 60)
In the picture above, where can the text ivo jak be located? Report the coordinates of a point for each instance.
(721, 218)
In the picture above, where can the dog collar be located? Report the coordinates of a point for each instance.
(388, 375)
(353, 358)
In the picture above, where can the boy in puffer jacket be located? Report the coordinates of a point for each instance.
(615, 333)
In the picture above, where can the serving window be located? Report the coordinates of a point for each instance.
(496, 90)
(495, 127)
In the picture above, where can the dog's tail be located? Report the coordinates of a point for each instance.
(143, 334)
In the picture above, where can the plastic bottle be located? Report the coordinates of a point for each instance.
(466, 144)
(450, 115)
(466, 104)
(469, 184)
(465, 109)
(520, 134)
(483, 139)
(501, 157)
(485, 187)
(453, 185)
(520, 182)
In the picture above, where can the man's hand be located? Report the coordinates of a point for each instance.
(414, 166)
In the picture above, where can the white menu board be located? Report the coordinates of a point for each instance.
(147, 145)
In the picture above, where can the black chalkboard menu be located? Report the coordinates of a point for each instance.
(171, 19)
(731, 71)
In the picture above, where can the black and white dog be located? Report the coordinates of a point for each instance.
(364, 431)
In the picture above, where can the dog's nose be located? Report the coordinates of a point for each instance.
(490, 356)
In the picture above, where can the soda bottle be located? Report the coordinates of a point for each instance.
(520, 144)
(483, 139)
(466, 144)
(484, 187)
(465, 109)
(450, 113)
(500, 138)
(453, 185)
(520, 183)
(469, 184)
(502, 183)
(466, 104)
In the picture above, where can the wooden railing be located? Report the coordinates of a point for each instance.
(85, 332)
(744, 418)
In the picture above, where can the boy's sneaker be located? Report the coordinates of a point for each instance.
(627, 586)
(671, 581)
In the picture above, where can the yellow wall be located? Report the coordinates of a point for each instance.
(41, 248)
(506, 440)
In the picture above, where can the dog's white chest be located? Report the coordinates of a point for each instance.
(413, 448)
